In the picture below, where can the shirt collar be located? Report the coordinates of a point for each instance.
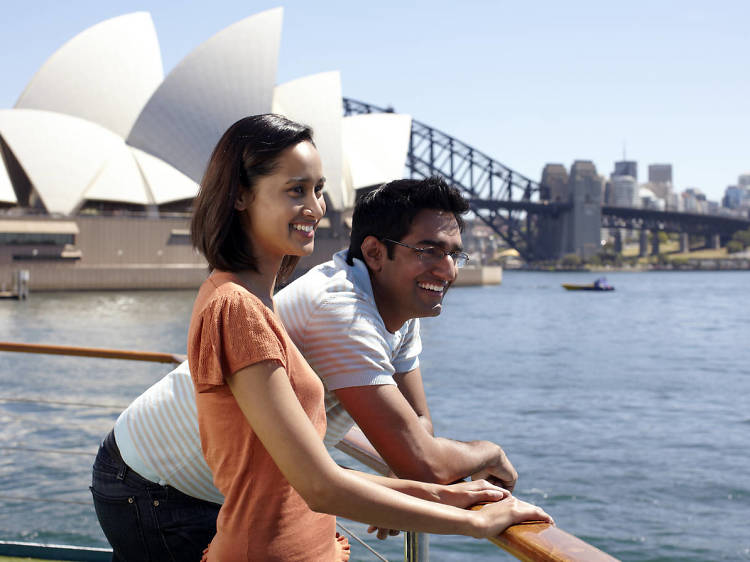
(358, 272)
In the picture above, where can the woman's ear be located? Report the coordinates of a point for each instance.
(240, 204)
(374, 252)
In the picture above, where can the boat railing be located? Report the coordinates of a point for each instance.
(530, 542)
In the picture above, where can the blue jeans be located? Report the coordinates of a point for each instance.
(146, 522)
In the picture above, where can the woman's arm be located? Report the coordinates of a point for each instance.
(462, 494)
(267, 400)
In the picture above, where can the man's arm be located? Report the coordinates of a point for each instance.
(411, 386)
(395, 429)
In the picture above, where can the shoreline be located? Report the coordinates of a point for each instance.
(692, 265)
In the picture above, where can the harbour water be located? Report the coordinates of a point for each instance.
(627, 414)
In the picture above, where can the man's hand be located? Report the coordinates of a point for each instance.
(500, 472)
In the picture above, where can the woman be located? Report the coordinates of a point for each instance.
(260, 405)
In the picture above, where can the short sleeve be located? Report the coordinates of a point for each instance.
(233, 331)
(348, 345)
(407, 356)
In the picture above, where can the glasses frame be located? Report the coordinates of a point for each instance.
(454, 255)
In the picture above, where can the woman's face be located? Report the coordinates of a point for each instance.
(282, 211)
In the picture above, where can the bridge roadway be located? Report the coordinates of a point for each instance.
(630, 217)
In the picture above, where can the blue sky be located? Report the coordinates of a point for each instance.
(527, 83)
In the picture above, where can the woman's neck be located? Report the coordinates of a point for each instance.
(262, 282)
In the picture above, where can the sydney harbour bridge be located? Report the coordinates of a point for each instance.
(523, 213)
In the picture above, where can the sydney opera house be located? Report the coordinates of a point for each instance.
(102, 154)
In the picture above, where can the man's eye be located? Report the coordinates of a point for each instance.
(432, 252)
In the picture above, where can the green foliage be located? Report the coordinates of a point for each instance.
(607, 256)
(743, 237)
(571, 260)
(734, 246)
(663, 238)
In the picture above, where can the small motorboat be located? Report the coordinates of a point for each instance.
(598, 285)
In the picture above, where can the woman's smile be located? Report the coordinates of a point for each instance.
(304, 229)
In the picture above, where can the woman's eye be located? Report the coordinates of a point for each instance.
(297, 190)
(319, 188)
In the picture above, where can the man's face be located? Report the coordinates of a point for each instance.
(408, 287)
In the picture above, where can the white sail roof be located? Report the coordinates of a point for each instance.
(375, 147)
(316, 101)
(68, 159)
(228, 77)
(7, 195)
(105, 74)
(119, 180)
(165, 182)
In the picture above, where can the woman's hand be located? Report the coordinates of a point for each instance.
(498, 516)
(466, 494)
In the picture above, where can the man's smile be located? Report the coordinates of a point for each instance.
(434, 287)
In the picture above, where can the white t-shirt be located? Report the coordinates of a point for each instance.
(331, 316)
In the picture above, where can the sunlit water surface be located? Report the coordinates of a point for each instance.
(627, 414)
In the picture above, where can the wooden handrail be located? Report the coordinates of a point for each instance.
(530, 542)
(92, 352)
(542, 542)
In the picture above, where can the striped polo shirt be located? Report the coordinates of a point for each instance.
(331, 315)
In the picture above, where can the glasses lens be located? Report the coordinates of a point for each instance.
(460, 259)
(431, 254)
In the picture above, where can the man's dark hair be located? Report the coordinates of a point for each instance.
(388, 211)
(248, 150)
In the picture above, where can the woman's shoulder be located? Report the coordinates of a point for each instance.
(223, 289)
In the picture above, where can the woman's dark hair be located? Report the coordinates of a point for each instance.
(389, 210)
(248, 150)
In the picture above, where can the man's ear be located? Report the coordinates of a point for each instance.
(374, 252)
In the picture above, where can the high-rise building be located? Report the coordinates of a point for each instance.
(732, 197)
(623, 191)
(626, 168)
(555, 177)
(737, 196)
(660, 173)
(660, 180)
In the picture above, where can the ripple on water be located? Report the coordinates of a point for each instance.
(625, 418)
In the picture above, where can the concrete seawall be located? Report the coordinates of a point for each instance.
(481, 275)
(131, 253)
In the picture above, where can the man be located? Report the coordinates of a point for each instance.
(355, 319)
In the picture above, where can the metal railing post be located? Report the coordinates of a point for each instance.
(416, 547)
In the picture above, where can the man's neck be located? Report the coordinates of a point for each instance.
(392, 320)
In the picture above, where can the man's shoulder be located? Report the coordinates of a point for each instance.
(327, 282)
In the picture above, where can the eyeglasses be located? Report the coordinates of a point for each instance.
(433, 254)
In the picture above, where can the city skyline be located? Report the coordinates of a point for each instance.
(525, 85)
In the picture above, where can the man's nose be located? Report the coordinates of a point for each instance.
(445, 268)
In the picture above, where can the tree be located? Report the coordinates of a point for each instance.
(571, 260)
(734, 246)
(743, 237)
